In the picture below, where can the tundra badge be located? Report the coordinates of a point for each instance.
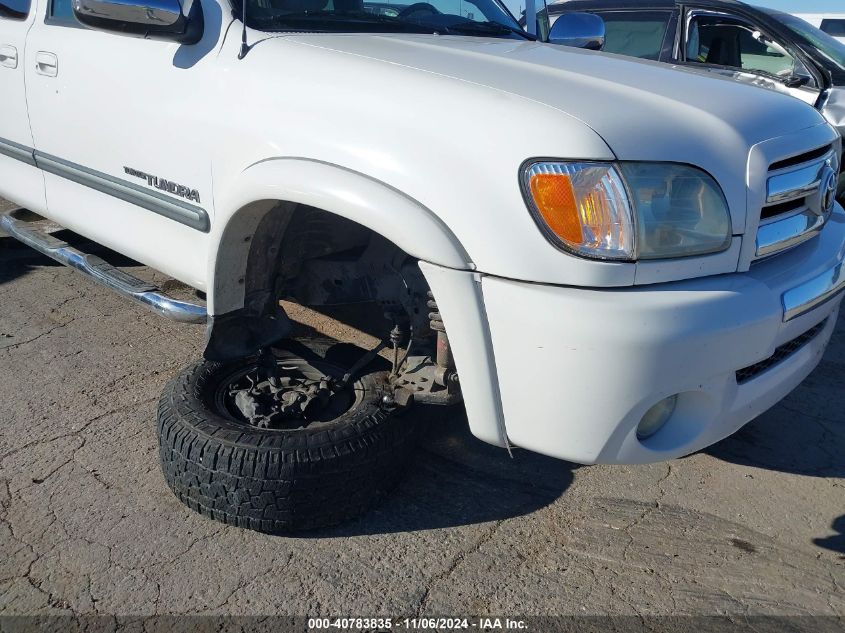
(165, 185)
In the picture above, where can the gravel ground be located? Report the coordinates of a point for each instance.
(754, 525)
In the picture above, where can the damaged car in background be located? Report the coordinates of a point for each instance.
(755, 45)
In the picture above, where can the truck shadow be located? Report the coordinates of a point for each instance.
(834, 543)
(188, 55)
(18, 260)
(779, 440)
(454, 479)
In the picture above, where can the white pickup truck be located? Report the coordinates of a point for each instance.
(606, 260)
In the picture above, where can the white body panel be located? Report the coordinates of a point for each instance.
(600, 359)
(20, 181)
(118, 102)
(365, 126)
(572, 95)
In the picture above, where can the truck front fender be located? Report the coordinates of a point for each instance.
(384, 210)
(346, 193)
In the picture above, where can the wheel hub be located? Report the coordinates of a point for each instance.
(272, 403)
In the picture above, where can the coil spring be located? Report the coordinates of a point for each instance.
(436, 321)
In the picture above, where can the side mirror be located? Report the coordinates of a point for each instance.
(581, 30)
(796, 81)
(154, 19)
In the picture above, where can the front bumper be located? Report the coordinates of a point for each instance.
(577, 368)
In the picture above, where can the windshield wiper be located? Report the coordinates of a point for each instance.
(299, 19)
(486, 28)
(312, 18)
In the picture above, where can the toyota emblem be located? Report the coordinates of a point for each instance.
(829, 183)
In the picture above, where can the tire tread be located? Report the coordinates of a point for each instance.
(271, 481)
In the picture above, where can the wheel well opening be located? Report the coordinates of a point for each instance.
(335, 265)
(355, 276)
(281, 251)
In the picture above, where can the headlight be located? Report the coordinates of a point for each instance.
(628, 211)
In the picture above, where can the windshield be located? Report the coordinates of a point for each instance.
(831, 48)
(485, 18)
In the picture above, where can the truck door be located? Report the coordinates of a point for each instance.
(730, 45)
(20, 180)
(121, 131)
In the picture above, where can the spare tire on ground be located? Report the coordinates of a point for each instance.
(224, 457)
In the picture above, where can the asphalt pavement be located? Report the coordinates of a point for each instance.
(752, 526)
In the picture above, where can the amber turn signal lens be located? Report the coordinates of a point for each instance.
(555, 200)
(582, 207)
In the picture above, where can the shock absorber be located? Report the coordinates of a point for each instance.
(445, 374)
(397, 335)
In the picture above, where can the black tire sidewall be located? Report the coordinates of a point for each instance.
(271, 480)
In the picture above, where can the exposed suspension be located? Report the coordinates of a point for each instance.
(425, 375)
(444, 373)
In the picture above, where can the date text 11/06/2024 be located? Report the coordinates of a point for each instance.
(431, 624)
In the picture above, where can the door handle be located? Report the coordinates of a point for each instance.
(46, 64)
(8, 56)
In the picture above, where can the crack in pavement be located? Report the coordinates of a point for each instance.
(485, 538)
(85, 425)
(18, 344)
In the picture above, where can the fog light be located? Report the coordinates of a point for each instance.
(656, 417)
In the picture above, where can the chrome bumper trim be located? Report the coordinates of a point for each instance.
(813, 293)
(788, 232)
(103, 273)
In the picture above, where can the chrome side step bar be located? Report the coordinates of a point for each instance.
(102, 272)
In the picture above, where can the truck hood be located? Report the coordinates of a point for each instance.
(637, 106)
(643, 110)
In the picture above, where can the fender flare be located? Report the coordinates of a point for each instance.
(332, 188)
(397, 217)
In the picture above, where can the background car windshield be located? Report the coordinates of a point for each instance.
(362, 15)
(830, 47)
(636, 34)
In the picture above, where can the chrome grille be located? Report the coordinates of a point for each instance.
(800, 159)
(796, 182)
(798, 200)
(783, 208)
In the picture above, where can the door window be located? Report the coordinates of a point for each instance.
(14, 9)
(61, 11)
(726, 41)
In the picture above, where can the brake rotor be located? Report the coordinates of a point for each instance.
(270, 403)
